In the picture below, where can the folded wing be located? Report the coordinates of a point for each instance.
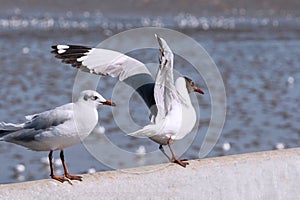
(35, 124)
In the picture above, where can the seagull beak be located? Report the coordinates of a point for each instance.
(198, 90)
(108, 103)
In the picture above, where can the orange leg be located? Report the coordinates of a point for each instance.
(58, 178)
(67, 175)
(163, 151)
(175, 159)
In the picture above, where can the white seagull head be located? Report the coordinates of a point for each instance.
(94, 98)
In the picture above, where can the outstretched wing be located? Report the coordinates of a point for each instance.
(165, 92)
(107, 62)
(100, 61)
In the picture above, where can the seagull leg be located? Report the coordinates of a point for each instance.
(58, 178)
(175, 159)
(163, 151)
(67, 175)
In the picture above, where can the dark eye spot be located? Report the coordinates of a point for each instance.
(94, 98)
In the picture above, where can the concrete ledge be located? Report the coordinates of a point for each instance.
(263, 175)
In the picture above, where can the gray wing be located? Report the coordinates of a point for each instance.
(165, 91)
(50, 118)
(100, 61)
(39, 123)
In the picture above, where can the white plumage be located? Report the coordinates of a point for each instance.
(100, 61)
(176, 115)
(57, 129)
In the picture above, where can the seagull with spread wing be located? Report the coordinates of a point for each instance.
(172, 111)
(176, 115)
(57, 129)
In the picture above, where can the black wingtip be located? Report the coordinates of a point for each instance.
(70, 54)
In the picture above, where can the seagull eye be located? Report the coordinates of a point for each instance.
(94, 98)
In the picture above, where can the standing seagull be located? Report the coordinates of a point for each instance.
(57, 129)
(176, 115)
(175, 110)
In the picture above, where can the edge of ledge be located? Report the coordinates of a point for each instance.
(268, 174)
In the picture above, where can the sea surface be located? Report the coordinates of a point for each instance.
(254, 44)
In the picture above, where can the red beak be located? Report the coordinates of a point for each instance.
(108, 103)
(198, 90)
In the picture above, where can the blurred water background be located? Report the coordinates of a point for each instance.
(255, 45)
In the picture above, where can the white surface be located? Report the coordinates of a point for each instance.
(264, 175)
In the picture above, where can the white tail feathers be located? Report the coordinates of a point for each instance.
(149, 130)
(10, 126)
